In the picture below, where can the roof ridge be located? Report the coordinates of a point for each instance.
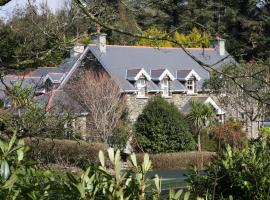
(159, 69)
(184, 69)
(130, 46)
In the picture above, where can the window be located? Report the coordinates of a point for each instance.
(191, 86)
(165, 87)
(141, 86)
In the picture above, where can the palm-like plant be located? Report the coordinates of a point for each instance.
(200, 115)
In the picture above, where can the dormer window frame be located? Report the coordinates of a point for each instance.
(165, 88)
(191, 85)
(141, 86)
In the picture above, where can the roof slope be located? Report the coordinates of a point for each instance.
(118, 59)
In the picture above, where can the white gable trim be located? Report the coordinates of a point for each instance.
(48, 77)
(53, 81)
(142, 72)
(193, 73)
(166, 73)
(210, 101)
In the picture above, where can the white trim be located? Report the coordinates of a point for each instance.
(74, 67)
(140, 73)
(193, 73)
(166, 72)
(53, 81)
(211, 101)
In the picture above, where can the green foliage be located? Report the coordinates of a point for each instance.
(86, 39)
(21, 181)
(265, 132)
(162, 128)
(195, 39)
(240, 173)
(209, 142)
(154, 32)
(244, 26)
(200, 116)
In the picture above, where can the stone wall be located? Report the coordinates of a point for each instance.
(136, 105)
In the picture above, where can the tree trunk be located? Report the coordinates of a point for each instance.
(199, 141)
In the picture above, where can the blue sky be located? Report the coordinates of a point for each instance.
(6, 10)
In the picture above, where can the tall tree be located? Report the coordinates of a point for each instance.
(200, 115)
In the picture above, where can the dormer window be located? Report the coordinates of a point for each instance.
(138, 77)
(165, 87)
(191, 86)
(141, 87)
(163, 77)
(189, 78)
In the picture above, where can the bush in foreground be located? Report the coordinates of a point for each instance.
(239, 173)
(162, 128)
(19, 180)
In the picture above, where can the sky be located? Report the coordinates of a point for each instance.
(6, 11)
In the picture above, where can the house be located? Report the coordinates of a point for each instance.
(140, 72)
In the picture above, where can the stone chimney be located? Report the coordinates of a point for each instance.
(100, 40)
(219, 45)
(76, 50)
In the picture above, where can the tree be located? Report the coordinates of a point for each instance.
(194, 39)
(246, 98)
(101, 97)
(27, 117)
(245, 25)
(162, 128)
(200, 115)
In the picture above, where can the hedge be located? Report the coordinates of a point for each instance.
(65, 153)
(179, 160)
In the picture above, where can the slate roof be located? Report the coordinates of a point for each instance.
(152, 87)
(156, 73)
(181, 74)
(132, 73)
(177, 86)
(118, 59)
(186, 107)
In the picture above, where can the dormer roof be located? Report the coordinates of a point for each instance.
(55, 77)
(135, 74)
(159, 74)
(186, 74)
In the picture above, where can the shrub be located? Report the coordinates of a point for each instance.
(240, 173)
(20, 180)
(162, 128)
(179, 160)
(229, 133)
(265, 132)
(209, 142)
(65, 153)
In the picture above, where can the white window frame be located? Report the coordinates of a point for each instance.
(165, 87)
(141, 87)
(190, 86)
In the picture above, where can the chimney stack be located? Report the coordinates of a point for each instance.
(100, 40)
(219, 45)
